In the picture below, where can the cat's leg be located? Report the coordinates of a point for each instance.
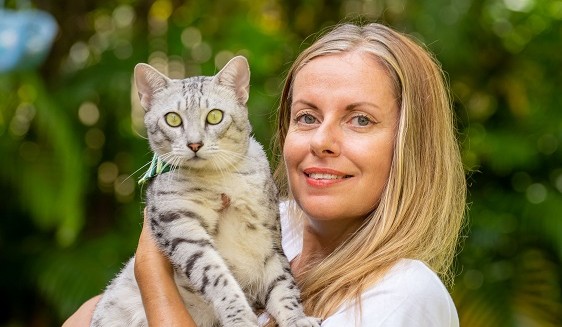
(282, 297)
(189, 246)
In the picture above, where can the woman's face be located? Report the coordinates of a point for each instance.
(339, 146)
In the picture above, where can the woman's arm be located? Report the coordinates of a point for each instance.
(83, 315)
(154, 274)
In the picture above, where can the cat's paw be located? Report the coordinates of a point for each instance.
(308, 322)
(246, 321)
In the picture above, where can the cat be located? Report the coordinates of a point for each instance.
(212, 206)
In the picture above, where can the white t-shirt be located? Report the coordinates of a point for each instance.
(409, 295)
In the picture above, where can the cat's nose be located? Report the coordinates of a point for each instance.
(195, 146)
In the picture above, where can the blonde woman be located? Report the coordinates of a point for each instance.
(373, 183)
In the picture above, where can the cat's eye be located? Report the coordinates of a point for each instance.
(214, 117)
(173, 119)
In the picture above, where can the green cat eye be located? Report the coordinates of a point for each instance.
(173, 119)
(214, 117)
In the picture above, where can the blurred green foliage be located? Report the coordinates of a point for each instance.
(72, 146)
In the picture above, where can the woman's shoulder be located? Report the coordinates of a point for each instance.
(411, 294)
(413, 277)
(410, 280)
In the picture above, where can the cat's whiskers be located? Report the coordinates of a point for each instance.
(217, 166)
(144, 137)
(173, 160)
(227, 156)
(136, 171)
(223, 161)
(176, 163)
(234, 154)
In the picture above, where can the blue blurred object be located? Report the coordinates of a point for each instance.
(26, 37)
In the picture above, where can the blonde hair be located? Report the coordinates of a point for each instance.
(421, 210)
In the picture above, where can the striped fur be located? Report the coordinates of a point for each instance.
(215, 215)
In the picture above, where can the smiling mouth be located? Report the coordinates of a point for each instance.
(326, 176)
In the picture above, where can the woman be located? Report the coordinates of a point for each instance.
(373, 181)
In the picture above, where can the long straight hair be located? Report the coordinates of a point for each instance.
(421, 211)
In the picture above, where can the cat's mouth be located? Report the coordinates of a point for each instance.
(196, 159)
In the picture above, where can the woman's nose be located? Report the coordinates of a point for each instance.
(325, 140)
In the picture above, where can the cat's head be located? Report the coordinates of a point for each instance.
(199, 122)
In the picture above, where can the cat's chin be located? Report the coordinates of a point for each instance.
(207, 166)
(198, 163)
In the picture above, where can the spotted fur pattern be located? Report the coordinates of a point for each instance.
(215, 215)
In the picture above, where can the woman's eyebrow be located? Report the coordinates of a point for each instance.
(352, 106)
(349, 107)
(306, 103)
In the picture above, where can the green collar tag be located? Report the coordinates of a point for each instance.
(157, 167)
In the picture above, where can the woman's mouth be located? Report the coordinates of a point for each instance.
(322, 177)
(319, 176)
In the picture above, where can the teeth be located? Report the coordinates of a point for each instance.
(324, 176)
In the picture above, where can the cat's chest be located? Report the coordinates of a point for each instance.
(235, 185)
(242, 230)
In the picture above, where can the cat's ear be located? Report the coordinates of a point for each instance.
(149, 81)
(236, 75)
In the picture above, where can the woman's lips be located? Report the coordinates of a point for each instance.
(321, 177)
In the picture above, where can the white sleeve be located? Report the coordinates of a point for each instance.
(410, 295)
(291, 235)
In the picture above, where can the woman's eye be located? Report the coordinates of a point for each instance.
(306, 119)
(173, 119)
(361, 121)
(214, 116)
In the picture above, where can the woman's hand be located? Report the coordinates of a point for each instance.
(154, 274)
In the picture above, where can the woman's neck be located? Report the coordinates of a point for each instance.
(321, 238)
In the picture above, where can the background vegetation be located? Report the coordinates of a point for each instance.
(71, 138)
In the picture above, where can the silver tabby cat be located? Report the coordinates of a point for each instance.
(215, 213)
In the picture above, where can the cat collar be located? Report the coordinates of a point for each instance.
(157, 167)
